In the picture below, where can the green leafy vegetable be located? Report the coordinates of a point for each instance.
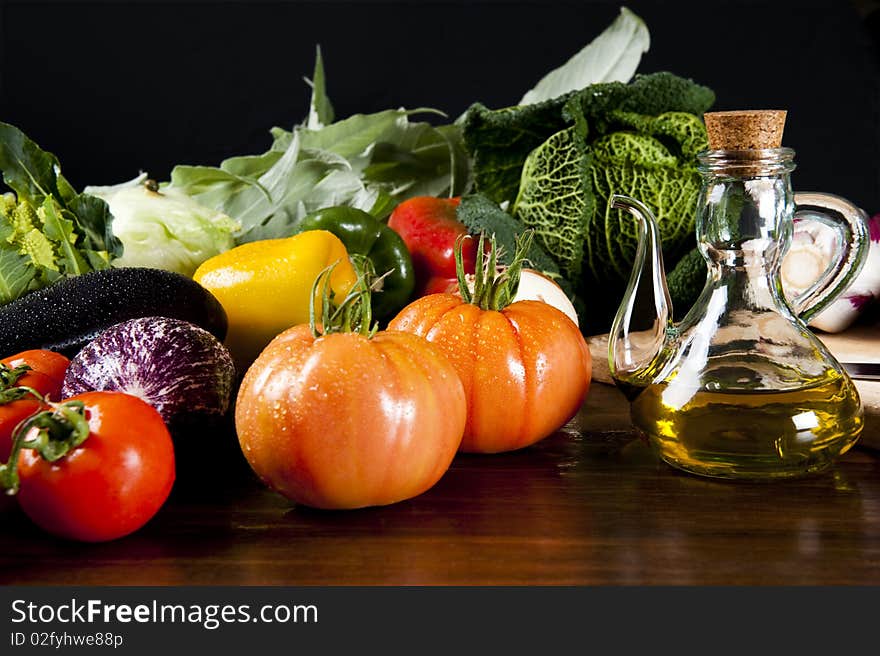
(567, 180)
(369, 162)
(320, 109)
(269, 203)
(480, 214)
(662, 174)
(651, 94)
(638, 139)
(500, 140)
(47, 229)
(553, 201)
(164, 229)
(613, 56)
(16, 272)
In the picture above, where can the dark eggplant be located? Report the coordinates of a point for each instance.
(65, 316)
(180, 369)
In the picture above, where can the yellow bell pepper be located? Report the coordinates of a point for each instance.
(264, 286)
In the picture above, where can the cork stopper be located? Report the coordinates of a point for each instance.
(745, 130)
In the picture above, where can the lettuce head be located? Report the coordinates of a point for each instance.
(164, 228)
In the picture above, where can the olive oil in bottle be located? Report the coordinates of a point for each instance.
(751, 433)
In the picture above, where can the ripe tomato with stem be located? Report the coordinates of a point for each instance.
(92, 468)
(525, 366)
(340, 416)
(39, 370)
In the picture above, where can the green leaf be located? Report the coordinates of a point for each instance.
(418, 162)
(499, 141)
(27, 169)
(251, 167)
(568, 181)
(683, 133)
(61, 231)
(601, 104)
(383, 204)
(35, 176)
(459, 162)
(281, 139)
(16, 273)
(55, 227)
(480, 214)
(94, 219)
(267, 206)
(613, 56)
(668, 187)
(207, 184)
(65, 189)
(353, 137)
(97, 259)
(219, 189)
(552, 200)
(320, 109)
(350, 138)
(317, 180)
(367, 161)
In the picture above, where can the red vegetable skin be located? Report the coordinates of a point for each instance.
(441, 286)
(111, 484)
(429, 229)
(46, 375)
(50, 365)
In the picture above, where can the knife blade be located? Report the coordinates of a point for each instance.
(862, 370)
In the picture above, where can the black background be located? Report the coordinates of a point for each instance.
(113, 88)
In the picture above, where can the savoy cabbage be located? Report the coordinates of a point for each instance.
(639, 139)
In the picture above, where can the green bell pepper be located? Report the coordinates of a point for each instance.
(365, 235)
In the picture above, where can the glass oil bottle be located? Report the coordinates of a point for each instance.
(740, 388)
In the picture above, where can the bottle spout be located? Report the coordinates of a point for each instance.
(643, 323)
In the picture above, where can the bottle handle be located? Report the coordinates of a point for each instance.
(851, 224)
(643, 322)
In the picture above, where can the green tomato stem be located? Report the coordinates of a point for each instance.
(463, 288)
(354, 313)
(9, 376)
(59, 430)
(493, 289)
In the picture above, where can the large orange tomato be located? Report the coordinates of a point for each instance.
(346, 421)
(525, 368)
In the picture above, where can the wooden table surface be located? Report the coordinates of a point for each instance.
(587, 506)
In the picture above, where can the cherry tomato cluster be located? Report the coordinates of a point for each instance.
(93, 467)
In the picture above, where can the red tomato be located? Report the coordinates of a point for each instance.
(441, 286)
(11, 415)
(526, 369)
(46, 375)
(112, 483)
(346, 421)
(429, 229)
(50, 365)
